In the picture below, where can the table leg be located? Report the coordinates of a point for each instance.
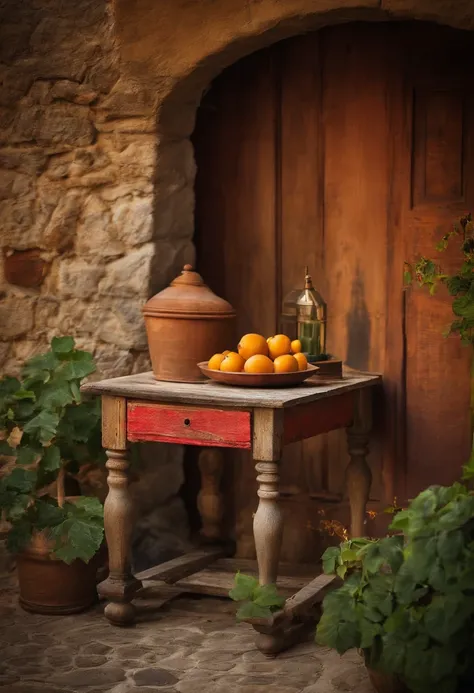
(120, 586)
(210, 498)
(358, 474)
(268, 522)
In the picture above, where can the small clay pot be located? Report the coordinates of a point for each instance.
(186, 323)
(50, 586)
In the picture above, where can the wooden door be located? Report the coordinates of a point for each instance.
(348, 150)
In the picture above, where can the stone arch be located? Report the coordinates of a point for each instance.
(173, 50)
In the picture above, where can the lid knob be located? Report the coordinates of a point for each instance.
(188, 268)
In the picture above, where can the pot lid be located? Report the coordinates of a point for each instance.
(188, 295)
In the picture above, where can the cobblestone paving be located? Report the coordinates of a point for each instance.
(190, 646)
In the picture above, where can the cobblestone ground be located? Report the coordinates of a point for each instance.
(189, 646)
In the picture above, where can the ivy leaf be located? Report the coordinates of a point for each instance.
(51, 459)
(38, 367)
(6, 449)
(75, 391)
(368, 632)
(28, 454)
(252, 610)
(18, 507)
(20, 480)
(48, 514)
(44, 425)
(330, 559)
(89, 505)
(446, 615)
(19, 535)
(267, 595)
(81, 365)
(62, 345)
(56, 394)
(244, 588)
(450, 545)
(8, 387)
(80, 535)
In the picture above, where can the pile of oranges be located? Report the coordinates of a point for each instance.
(255, 354)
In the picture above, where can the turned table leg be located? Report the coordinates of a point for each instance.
(210, 498)
(268, 522)
(358, 474)
(120, 586)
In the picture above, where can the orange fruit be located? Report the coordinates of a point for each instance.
(232, 363)
(259, 364)
(296, 346)
(227, 351)
(286, 363)
(215, 362)
(251, 345)
(279, 345)
(302, 361)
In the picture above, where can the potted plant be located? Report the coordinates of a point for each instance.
(407, 600)
(48, 431)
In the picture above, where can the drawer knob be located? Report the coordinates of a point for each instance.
(187, 422)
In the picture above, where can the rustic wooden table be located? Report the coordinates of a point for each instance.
(137, 408)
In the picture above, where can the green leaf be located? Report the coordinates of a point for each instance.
(62, 345)
(28, 454)
(19, 535)
(51, 459)
(21, 480)
(267, 595)
(48, 514)
(450, 545)
(446, 614)
(89, 505)
(6, 449)
(252, 610)
(341, 571)
(80, 367)
(75, 391)
(368, 632)
(38, 368)
(8, 387)
(25, 394)
(18, 507)
(244, 587)
(79, 536)
(43, 425)
(330, 559)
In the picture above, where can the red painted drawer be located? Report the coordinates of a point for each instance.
(188, 425)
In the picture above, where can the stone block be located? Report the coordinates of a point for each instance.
(112, 362)
(129, 98)
(129, 276)
(31, 161)
(80, 94)
(16, 316)
(60, 232)
(18, 224)
(25, 267)
(14, 184)
(65, 124)
(123, 324)
(95, 235)
(133, 220)
(78, 278)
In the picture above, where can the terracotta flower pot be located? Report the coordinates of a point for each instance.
(50, 586)
(384, 683)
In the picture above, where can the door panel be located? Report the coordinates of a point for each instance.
(348, 150)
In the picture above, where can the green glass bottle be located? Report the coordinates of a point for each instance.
(311, 317)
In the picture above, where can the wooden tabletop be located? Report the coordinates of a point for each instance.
(144, 386)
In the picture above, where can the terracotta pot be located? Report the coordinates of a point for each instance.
(50, 586)
(186, 324)
(384, 683)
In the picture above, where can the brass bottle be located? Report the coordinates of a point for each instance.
(311, 317)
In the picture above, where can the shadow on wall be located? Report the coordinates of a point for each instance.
(358, 326)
